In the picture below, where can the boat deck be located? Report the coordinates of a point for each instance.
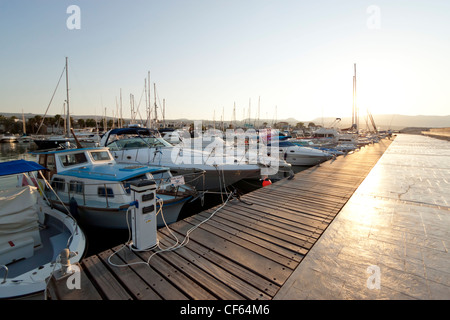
(248, 249)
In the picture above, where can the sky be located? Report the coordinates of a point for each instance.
(206, 58)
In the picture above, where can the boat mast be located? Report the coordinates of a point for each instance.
(156, 107)
(149, 111)
(24, 125)
(67, 100)
(164, 113)
(355, 115)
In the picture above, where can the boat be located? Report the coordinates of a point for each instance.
(8, 138)
(32, 234)
(86, 137)
(301, 156)
(97, 189)
(52, 142)
(209, 172)
(213, 144)
(311, 144)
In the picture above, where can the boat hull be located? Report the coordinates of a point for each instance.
(24, 279)
(116, 218)
(302, 160)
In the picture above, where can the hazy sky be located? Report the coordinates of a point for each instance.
(205, 55)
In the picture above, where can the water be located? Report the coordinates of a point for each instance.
(14, 151)
(102, 239)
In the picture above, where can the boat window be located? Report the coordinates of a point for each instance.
(285, 144)
(162, 176)
(100, 155)
(76, 186)
(105, 192)
(73, 159)
(58, 184)
(42, 160)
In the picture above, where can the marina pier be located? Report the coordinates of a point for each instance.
(247, 249)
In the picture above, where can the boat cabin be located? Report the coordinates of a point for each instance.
(60, 160)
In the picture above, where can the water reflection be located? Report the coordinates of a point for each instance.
(15, 151)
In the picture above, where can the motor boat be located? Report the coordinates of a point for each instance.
(32, 234)
(87, 138)
(301, 156)
(97, 189)
(208, 171)
(245, 151)
(8, 137)
(311, 144)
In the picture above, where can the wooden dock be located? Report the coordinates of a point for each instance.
(246, 251)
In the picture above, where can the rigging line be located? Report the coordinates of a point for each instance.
(140, 100)
(62, 73)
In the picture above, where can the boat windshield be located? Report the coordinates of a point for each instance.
(137, 143)
(284, 144)
(72, 159)
(100, 155)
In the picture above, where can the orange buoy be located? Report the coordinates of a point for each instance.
(266, 182)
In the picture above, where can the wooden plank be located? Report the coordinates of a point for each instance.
(109, 287)
(216, 271)
(275, 223)
(295, 238)
(260, 283)
(269, 269)
(221, 231)
(58, 289)
(158, 283)
(180, 280)
(216, 287)
(279, 246)
(134, 284)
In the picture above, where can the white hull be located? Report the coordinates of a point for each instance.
(115, 218)
(28, 276)
(301, 160)
(217, 176)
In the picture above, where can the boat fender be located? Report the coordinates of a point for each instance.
(266, 182)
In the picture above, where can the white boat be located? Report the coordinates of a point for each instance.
(8, 137)
(312, 144)
(97, 189)
(301, 156)
(32, 235)
(245, 152)
(142, 146)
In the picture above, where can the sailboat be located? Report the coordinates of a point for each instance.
(24, 138)
(56, 141)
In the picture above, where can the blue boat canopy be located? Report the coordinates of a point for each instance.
(19, 166)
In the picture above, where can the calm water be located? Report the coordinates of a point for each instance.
(102, 239)
(14, 151)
